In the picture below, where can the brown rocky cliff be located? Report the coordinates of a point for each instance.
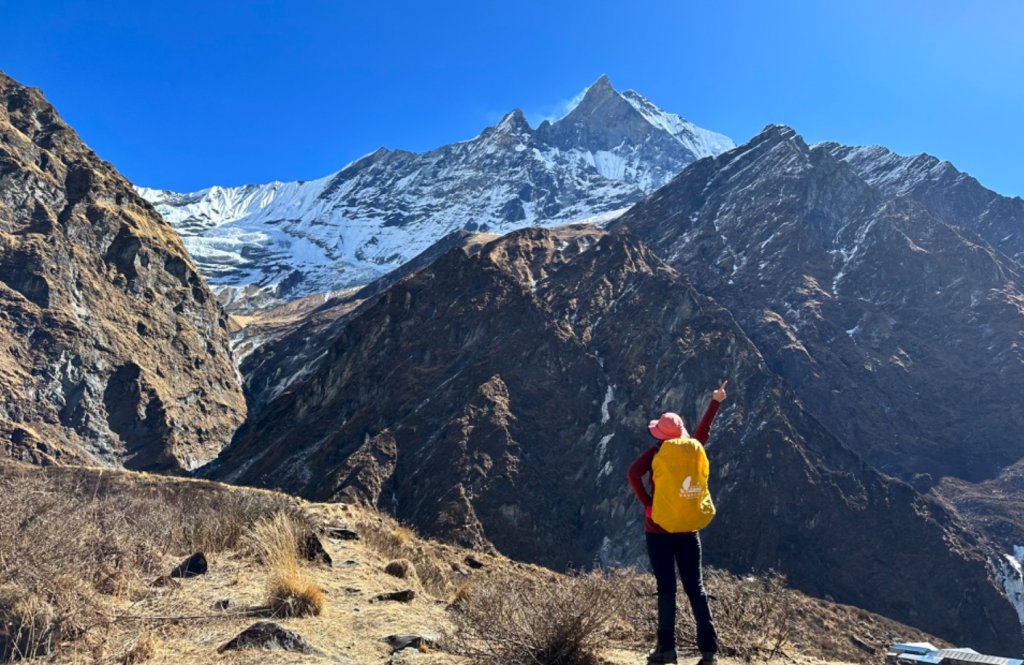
(497, 399)
(113, 350)
(898, 325)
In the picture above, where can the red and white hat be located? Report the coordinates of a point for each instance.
(669, 426)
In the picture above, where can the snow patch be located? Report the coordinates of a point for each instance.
(608, 397)
(1010, 574)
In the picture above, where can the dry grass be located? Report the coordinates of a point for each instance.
(79, 549)
(290, 590)
(72, 536)
(519, 619)
(28, 624)
(515, 616)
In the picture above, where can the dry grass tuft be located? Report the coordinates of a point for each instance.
(461, 595)
(146, 646)
(295, 596)
(522, 620)
(404, 535)
(400, 568)
(290, 591)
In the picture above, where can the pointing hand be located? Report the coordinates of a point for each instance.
(719, 395)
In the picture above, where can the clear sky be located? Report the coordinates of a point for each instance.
(182, 95)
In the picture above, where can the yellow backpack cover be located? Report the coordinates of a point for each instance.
(682, 501)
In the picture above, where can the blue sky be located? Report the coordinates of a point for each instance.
(187, 94)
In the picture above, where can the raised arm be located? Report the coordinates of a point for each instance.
(703, 430)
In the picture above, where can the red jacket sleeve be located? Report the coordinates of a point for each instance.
(636, 473)
(704, 428)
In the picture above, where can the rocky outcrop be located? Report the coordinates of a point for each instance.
(497, 396)
(112, 349)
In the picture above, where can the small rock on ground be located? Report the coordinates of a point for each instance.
(313, 550)
(403, 596)
(192, 566)
(342, 533)
(269, 635)
(410, 640)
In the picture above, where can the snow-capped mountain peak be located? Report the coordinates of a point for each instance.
(290, 239)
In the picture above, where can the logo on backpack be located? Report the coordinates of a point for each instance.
(690, 492)
(682, 464)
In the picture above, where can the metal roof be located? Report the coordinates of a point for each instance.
(971, 656)
(927, 654)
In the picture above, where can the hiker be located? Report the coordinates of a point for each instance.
(678, 461)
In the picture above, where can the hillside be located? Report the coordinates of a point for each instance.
(114, 351)
(177, 620)
(495, 398)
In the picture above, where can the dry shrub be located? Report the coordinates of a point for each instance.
(400, 568)
(290, 591)
(145, 647)
(757, 614)
(754, 616)
(461, 595)
(28, 624)
(521, 620)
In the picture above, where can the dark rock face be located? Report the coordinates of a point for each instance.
(889, 312)
(496, 397)
(113, 350)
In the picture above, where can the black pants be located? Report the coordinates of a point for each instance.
(668, 550)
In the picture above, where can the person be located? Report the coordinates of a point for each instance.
(670, 549)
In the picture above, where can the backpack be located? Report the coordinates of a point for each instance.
(682, 501)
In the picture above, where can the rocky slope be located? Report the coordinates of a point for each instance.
(262, 243)
(112, 349)
(496, 397)
(882, 289)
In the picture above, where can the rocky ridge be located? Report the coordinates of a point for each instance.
(113, 351)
